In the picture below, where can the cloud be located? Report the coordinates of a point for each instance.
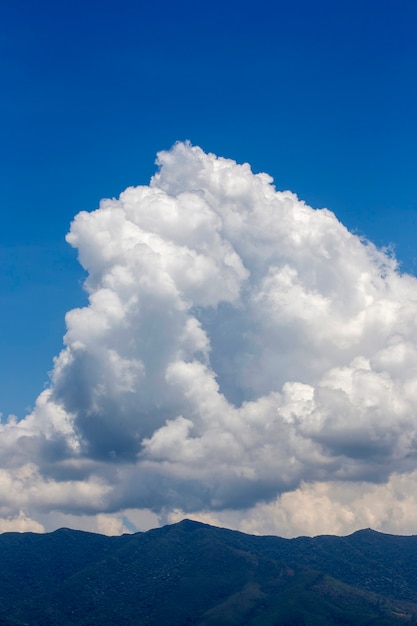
(20, 524)
(332, 507)
(240, 353)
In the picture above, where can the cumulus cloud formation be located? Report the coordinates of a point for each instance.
(243, 358)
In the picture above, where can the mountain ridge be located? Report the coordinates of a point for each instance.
(194, 573)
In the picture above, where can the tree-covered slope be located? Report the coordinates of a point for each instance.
(191, 573)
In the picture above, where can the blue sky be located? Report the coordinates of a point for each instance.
(321, 95)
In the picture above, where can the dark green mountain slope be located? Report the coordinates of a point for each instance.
(191, 573)
(31, 562)
(381, 563)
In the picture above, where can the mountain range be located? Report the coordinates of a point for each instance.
(195, 574)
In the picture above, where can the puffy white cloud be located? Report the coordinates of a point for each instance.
(339, 508)
(20, 524)
(333, 507)
(242, 357)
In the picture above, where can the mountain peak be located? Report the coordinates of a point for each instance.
(191, 524)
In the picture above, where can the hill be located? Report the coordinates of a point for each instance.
(192, 573)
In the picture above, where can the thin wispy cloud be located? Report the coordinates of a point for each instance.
(243, 359)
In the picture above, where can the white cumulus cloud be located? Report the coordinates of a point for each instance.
(243, 358)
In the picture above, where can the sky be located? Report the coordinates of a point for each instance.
(208, 269)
